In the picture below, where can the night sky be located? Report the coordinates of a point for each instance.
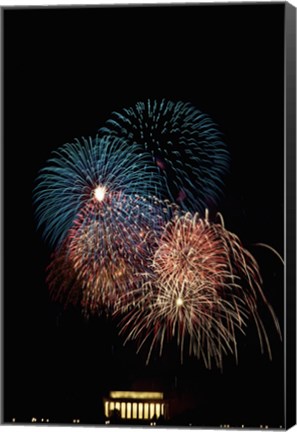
(65, 70)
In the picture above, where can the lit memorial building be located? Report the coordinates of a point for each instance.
(140, 406)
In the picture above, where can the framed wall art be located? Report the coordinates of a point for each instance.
(149, 197)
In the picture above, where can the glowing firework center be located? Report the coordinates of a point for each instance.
(135, 405)
(100, 193)
(179, 302)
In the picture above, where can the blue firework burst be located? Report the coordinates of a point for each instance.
(85, 170)
(185, 145)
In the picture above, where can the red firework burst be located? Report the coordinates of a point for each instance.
(202, 287)
(106, 250)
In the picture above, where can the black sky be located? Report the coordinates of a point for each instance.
(65, 70)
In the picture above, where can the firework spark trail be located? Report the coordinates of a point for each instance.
(78, 171)
(62, 281)
(202, 288)
(185, 145)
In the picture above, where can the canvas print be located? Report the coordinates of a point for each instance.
(145, 207)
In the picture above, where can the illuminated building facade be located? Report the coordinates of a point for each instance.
(136, 405)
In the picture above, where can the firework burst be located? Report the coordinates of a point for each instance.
(185, 145)
(88, 280)
(116, 209)
(79, 172)
(106, 250)
(108, 245)
(202, 288)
